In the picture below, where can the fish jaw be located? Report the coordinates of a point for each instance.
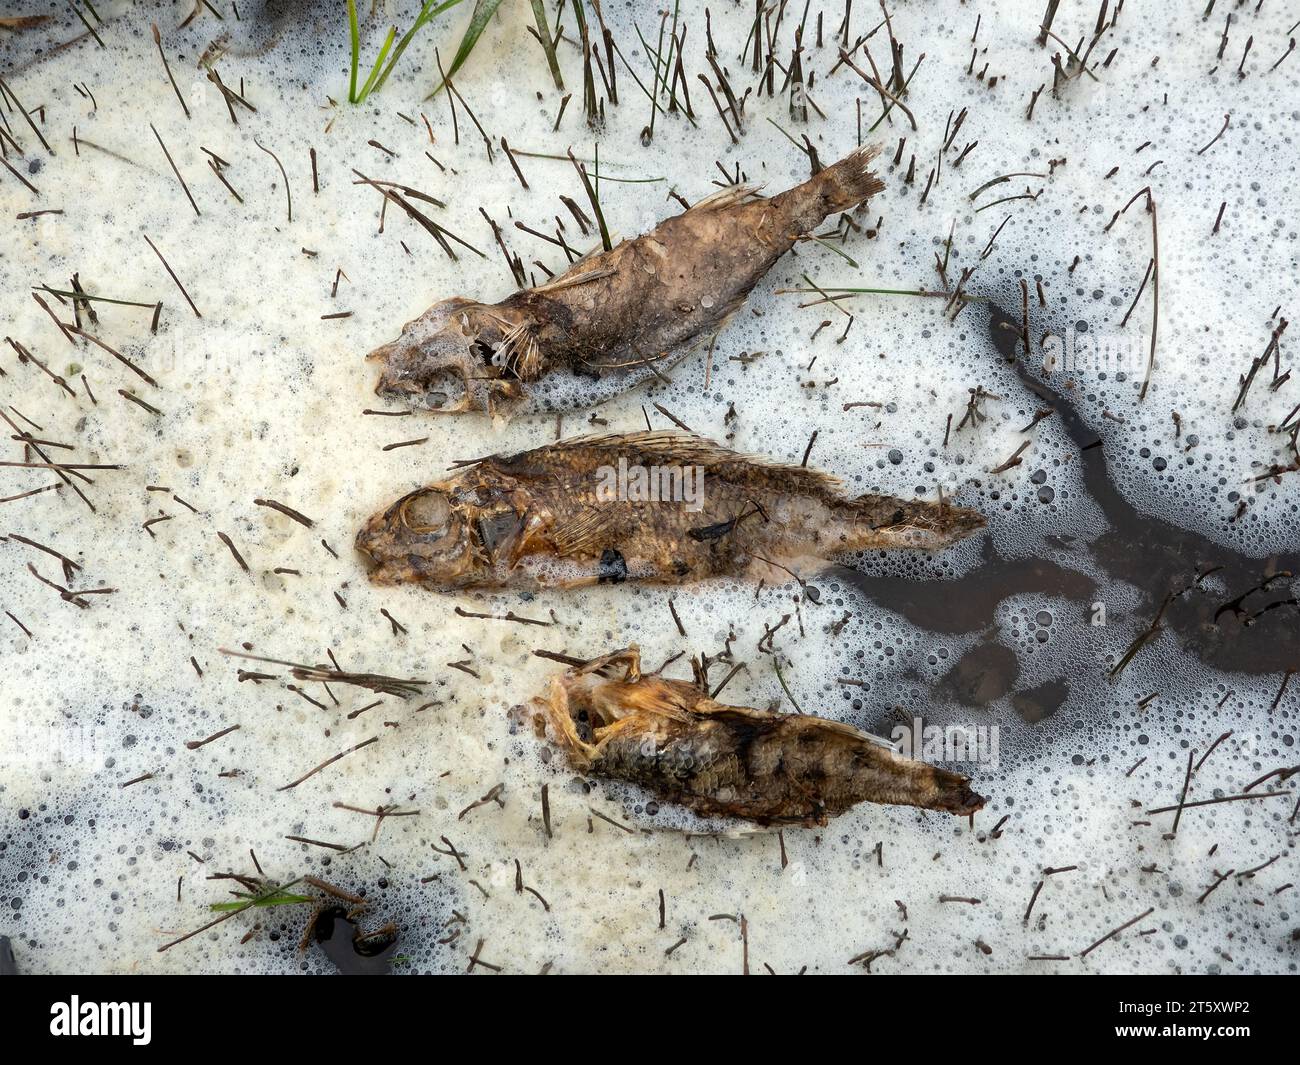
(370, 542)
(445, 384)
(374, 541)
(961, 799)
(431, 365)
(429, 382)
(952, 793)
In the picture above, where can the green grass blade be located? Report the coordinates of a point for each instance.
(785, 687)
(279, 898)
(548, 44)
(374, 72)
(483, 12)
(356, 49)
(831, 247)
(431, 10)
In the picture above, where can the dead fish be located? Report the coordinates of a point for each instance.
(670, 738)
(660, 507)
(615, 314)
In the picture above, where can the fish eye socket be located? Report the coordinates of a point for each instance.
(443, 388)
(426, 512)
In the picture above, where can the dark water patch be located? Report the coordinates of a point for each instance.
(1254, 628)
(967, 604)
(1261, 634)
(355, 952)
(984, 674)
(1035, 704)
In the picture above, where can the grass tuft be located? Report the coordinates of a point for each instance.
(272, 897)
(390, 53)
(483, 12)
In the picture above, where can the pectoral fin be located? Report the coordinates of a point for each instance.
(590, 532)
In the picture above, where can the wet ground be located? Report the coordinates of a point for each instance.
(1253, 629)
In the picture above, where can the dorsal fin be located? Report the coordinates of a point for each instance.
(674, 447)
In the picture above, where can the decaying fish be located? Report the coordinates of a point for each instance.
(663, 507)
(670, 738)
(612, 316)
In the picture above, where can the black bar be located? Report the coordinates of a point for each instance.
(929, 1015)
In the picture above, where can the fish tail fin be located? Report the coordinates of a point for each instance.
(889, 522)
(838, 187)
(850, 181)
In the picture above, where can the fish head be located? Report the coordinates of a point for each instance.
(960, 799)
(604, 691)
(421, 538)
(450, 536)
(443, 361)
(942, 789)
(612, 687)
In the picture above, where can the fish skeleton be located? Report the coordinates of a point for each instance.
(670, 738)
(613, 315)
(658, 507)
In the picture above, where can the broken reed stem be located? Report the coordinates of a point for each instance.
(547, 42)
(288, 194)
(375, 682)
(157, 39)
(1114, 932)
(875, 84)
(594, 199)
(329, 762)
(175, 170)
(172, 273)
(1155, 296)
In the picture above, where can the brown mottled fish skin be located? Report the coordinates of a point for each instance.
(617, 312)
(546, 519)
(670, 738)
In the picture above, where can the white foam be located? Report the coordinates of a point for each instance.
(261, 398)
